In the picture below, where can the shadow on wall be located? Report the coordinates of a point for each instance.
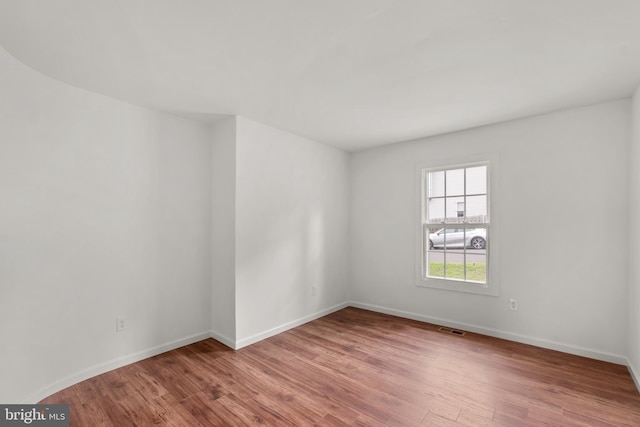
(281, 272)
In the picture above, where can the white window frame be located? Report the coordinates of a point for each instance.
(491, 286)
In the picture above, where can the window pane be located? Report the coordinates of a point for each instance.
(476, 239)
(436, 239)
(436, 184)
(435, 263)
(455, 182)
(477, 267)
(435, 210)
(476, 208)
(454, 269)
(455, 260)
(477, 180)
(454, 209)
(453, 238)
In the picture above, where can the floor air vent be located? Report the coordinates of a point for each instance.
(452, 331)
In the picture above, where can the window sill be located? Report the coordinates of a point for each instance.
(458, 286)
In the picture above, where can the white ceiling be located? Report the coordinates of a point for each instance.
(350, 73)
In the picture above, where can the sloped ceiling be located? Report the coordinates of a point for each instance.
(349, 73)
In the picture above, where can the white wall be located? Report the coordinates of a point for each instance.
(292, 229)
(563, 208)
(634, 237)
(104, 211)
(223, 259)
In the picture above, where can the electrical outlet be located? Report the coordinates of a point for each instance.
(121, 324)
(513, 304)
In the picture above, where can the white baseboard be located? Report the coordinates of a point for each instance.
(289, 325)
(635, 374)
(101, 368)
(538, 342)
(223, 339)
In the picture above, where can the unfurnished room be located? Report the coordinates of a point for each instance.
(320, 213)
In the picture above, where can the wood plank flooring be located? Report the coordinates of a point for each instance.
(359, 368)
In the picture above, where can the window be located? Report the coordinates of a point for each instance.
(456, 232)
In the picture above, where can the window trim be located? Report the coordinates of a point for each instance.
(491, 286)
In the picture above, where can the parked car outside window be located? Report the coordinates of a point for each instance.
(457, 238)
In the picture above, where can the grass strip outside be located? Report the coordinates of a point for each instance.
(476, 271)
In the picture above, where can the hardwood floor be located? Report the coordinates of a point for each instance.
(359, 368)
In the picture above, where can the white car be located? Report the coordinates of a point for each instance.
(475, 238)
